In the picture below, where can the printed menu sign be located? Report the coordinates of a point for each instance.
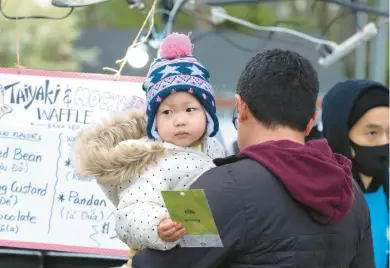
(43, 203)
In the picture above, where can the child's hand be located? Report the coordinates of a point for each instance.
(170, 231)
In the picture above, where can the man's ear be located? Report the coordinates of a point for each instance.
(311, 124)
(242, 109)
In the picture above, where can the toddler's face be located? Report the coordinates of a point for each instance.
(181, 119)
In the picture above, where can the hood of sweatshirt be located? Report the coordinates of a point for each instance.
(314, 176)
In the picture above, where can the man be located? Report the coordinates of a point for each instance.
(280, 203)
(356, 124)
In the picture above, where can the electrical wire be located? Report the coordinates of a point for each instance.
(216, 31)
(234, 44)
(267, 39)
(160, 35)
(353, 6)
(359, 7)
(177, 6)
(276, 29)
(272, 30)
(33, 17)
(271, 34)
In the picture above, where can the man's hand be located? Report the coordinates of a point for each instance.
(170, 231)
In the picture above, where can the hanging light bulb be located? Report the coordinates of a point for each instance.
(138, 56)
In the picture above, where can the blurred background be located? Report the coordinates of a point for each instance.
(95, 36)
(34, 34)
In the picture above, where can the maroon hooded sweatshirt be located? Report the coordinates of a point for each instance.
(315, 177)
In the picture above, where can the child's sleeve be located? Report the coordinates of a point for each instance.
(141, 208)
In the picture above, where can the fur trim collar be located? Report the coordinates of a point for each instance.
(99, 154)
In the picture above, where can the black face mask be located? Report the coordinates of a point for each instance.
(371, 161)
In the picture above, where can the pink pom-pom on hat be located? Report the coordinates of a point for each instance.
(176, 45)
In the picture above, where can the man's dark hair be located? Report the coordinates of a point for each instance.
(280, 88)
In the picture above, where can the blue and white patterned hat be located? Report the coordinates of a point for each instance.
(178, 71)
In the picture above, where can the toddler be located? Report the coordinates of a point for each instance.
(135, 157)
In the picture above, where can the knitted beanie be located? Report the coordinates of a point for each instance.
(178, 71)
(370, 98)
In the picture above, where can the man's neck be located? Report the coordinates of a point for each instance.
(366, 180)
(261, 134)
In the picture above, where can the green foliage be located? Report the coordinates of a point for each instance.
(115, 14)
(43, 44)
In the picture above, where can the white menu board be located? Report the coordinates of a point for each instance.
(43, 204)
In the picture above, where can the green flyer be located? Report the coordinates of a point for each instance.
(191, 209)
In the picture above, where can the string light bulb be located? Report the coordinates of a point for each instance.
(138, 57)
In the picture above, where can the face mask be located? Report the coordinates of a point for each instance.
(371, 161)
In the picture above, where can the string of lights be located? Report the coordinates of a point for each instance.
(356, 7)
(329, 51)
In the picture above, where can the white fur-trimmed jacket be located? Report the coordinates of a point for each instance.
(132, 171)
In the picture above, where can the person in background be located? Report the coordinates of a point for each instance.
(355, 118)
(280, 202)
